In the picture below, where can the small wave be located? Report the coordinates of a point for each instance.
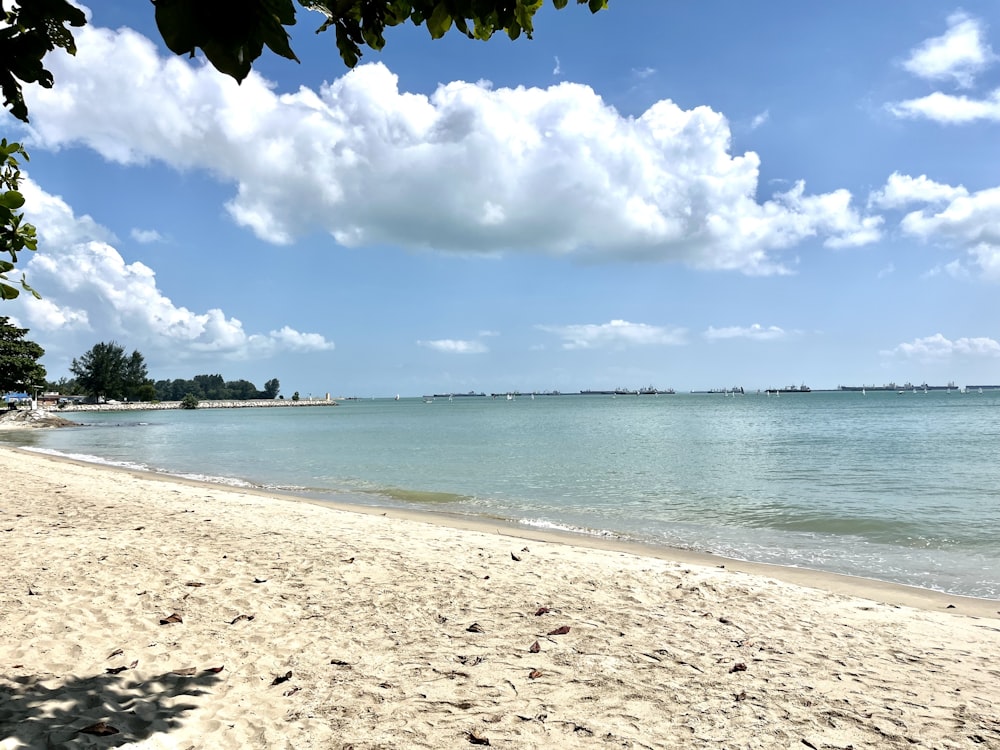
(543, 523)
(88, 458)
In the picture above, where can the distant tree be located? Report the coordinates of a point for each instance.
(19, 366)
(271, 388)
(64, 386)
(15, 234)
(136, 385)
(242, 390)
(190, 401)
(105, 372)
(295, 396)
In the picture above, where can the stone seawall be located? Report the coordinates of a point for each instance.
(154, 405)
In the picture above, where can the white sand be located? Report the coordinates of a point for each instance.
(397, 633)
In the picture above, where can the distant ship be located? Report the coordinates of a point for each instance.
(790, 389)
(905, 387)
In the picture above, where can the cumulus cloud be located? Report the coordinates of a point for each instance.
(958, 55)
(951, 216)
(949, 109)
(146, 236)
(616, 334)
(760, 119)
(91, 291)
(454, 346)
(466, 169)
(755, 332)
(901, 190)
(938, 347)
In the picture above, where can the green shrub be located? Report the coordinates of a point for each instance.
(190, 401)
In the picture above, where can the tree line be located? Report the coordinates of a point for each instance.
(106, 372)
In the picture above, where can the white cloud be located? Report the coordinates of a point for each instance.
(755, 332)
(886, 271)
(957, 55)
(466, 169)
(454, 346)
(643, 72)
(617, 334)
(90, 292)
(953, 216)
(902, 190)
(146, 236)
(557, 70)
(760, 119)
(948, 109)
(938, 347)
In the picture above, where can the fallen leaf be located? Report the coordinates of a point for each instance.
(514, 557)
(534, 674)
(349, 560)
(240, 617)
(535, 648)
(741, 696)
(291, 691)
(282, 678)
(186, 672)
(475, 628)
(339, 663)
(194, 584)
(171, 618)
(260, 580)
(101, 729)
(542, 611)
(139, 528)
(116, 652)
(741, 667)
(525, 549)
(560, 631)
(475, 739)
(215, 670)
(115, 670)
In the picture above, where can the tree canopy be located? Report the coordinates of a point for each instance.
(19, 366)
(105, 372)
(232, 34)
(214, 388)
(15, 234)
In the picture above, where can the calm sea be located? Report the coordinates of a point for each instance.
(902, 488)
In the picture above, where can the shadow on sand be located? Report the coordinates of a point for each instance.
(106, 710)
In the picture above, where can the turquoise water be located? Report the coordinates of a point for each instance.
(902, 488)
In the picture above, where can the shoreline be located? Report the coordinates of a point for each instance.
(885, 592)
(161, 612)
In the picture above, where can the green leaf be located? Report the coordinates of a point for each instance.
(439, 22)
(12, 200)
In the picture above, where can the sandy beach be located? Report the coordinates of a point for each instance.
(142, 611)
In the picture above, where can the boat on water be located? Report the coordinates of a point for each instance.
(907, 386)
(723, 391)
(790, 389)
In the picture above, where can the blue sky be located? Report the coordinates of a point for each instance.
(689, 195)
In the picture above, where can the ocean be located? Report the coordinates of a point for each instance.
(896, 487)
